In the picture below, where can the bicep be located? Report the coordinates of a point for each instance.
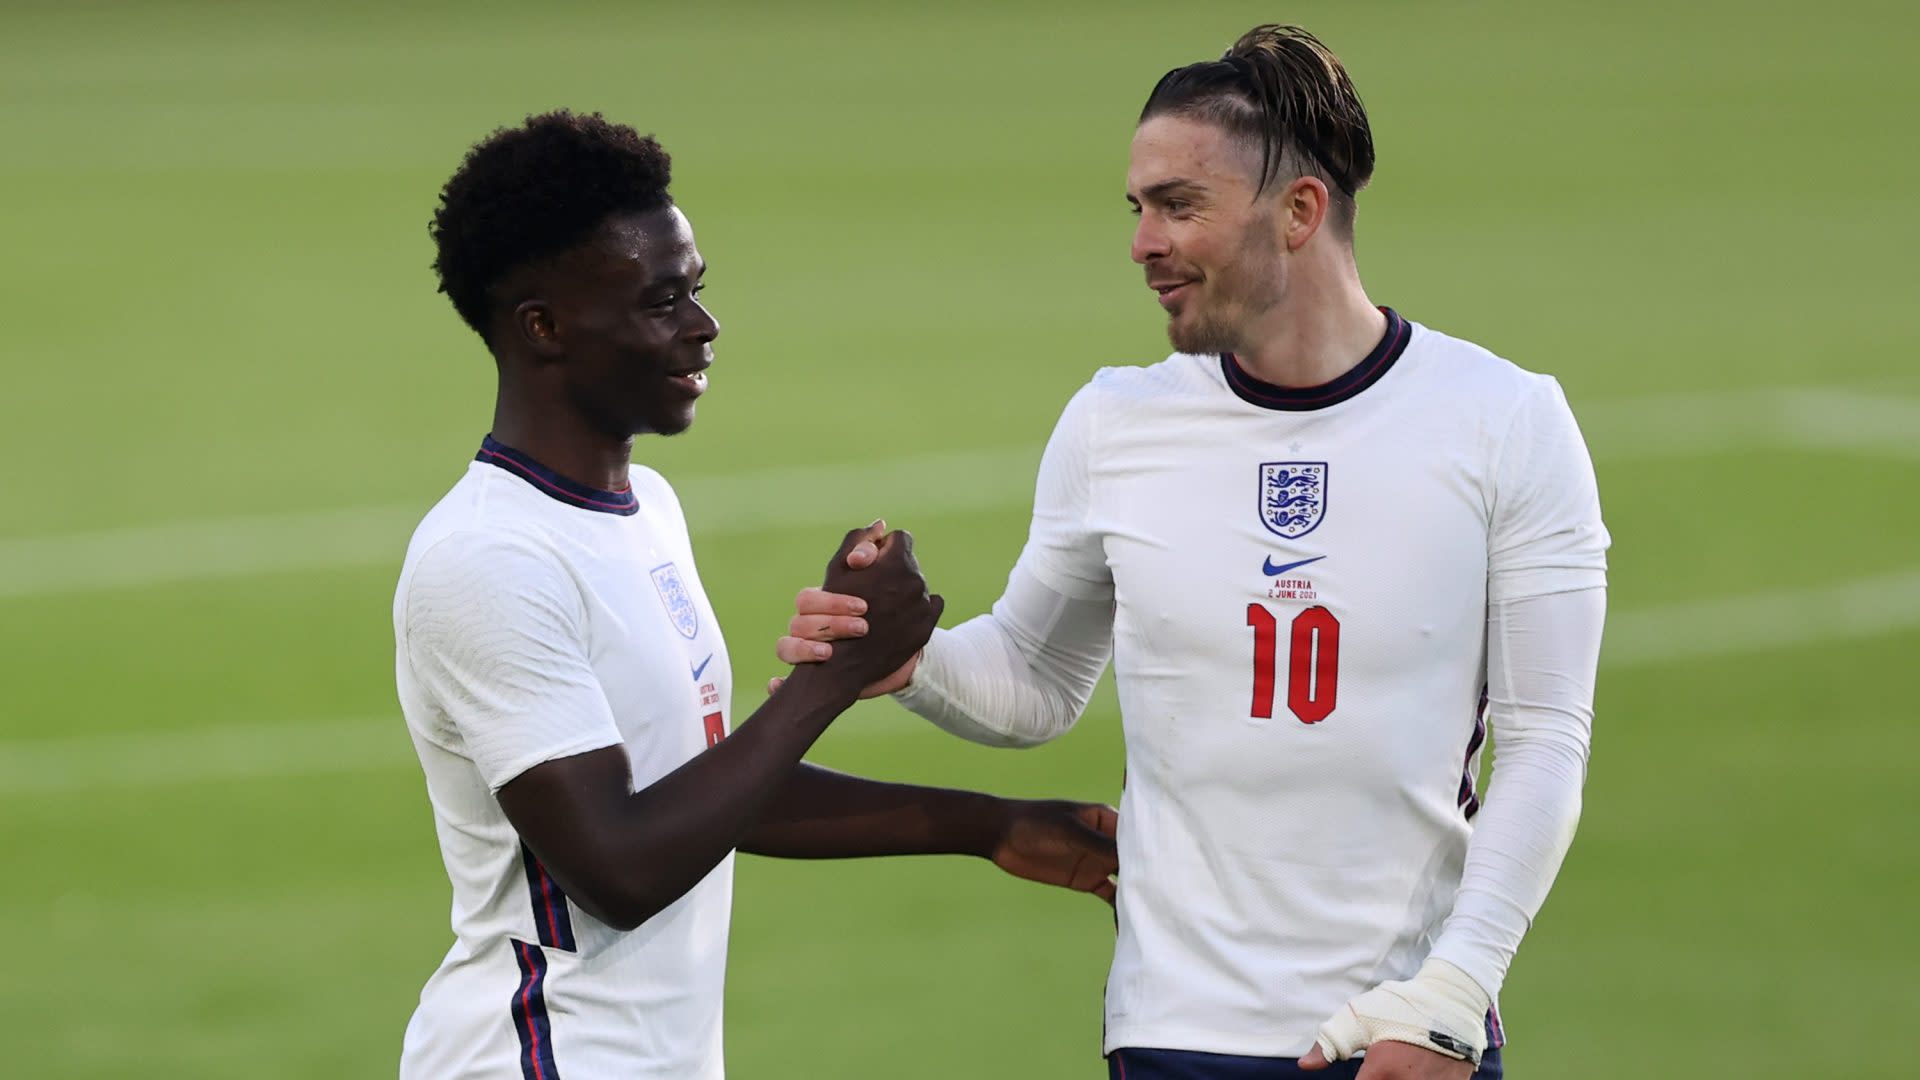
(1062, 548)
(1066, 639)
(566, 810)
(1020, 675)
(1543, 657)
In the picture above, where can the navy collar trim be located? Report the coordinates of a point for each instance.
(552, 484)
(1306, 398)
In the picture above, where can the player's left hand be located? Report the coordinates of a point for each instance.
(1060, 843)
(1429, 1027)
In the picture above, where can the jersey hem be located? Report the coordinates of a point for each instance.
(1203, 1041)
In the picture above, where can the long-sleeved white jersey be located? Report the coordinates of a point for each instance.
(1316, 601)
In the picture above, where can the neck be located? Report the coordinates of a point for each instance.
(1322, 329)
(564, 443)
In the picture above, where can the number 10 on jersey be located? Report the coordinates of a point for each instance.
(1313, 662)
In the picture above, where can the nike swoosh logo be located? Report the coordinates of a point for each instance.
(702, 667)
(1276, 571)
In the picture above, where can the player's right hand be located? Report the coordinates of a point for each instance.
(899, 614)
(822, 617)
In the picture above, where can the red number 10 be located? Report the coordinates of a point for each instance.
(1313, 662)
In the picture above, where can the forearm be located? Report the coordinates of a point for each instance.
(1521, 836)
(1542, 655)
(1020, 675)
(659, 842)
(821, 814)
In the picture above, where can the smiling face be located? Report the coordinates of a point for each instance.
(1213, 250)
(622, 324)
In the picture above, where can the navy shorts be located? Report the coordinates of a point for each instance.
(1142, 1064)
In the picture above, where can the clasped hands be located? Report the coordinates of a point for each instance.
(870, 619)
(850, 608)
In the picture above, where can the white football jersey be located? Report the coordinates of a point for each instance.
(537, 619)
(1300, 581)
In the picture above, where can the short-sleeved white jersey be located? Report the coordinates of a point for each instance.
(536, 619)
(1300, 583)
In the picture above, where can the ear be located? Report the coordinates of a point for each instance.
(534, 321)
(1303, 209)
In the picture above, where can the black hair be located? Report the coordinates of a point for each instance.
(1280, 88)
(531, 192)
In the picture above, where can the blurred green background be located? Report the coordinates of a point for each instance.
(231, 390)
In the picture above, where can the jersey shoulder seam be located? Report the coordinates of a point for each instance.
(1536, 384)
(520, 542)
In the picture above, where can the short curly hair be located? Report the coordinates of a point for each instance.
(531, 192)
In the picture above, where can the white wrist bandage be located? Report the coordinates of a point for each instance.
(1440, 1009)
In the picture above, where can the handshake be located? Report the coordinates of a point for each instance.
(874, 605)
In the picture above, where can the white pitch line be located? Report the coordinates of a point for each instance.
(242, 752)
(207, 549)
(1862, 608)
(1844, 420)
(831, 496)
(1674, 633)
(1807, 418)
(374, 535)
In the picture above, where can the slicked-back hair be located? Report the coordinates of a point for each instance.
(1280, 89)
(528, 193)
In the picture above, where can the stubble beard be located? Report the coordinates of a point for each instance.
(1246, 290)
(1202, 335)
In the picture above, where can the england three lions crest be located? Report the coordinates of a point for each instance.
(674, 594)
(1293, 496)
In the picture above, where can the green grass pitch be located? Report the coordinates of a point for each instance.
(230, 388)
